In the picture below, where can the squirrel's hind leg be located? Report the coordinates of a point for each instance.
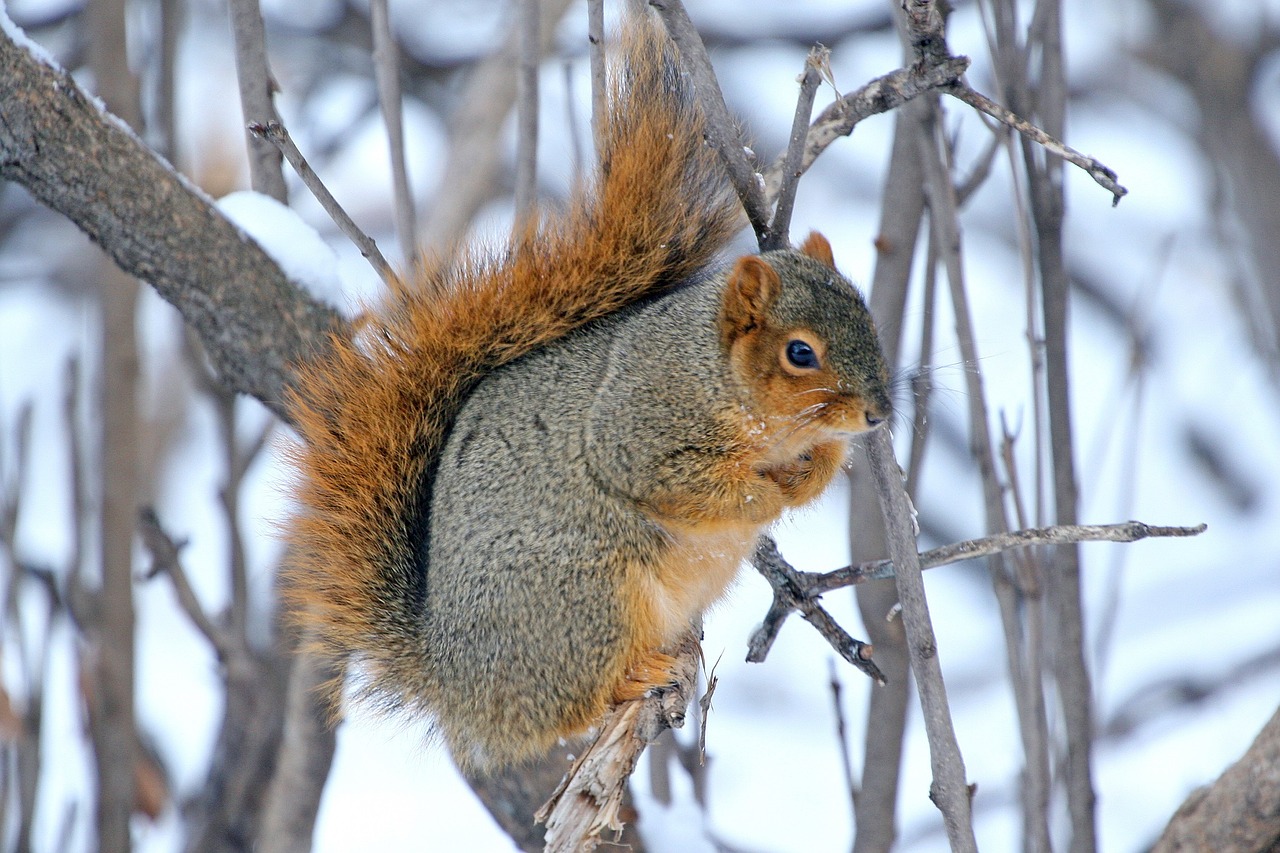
(653, 669)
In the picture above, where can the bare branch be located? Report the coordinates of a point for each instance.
(970, 549)
(73, 157)
(303, 760)
(589, 800)
(780, 227)
(107, 662)
(257, 97)
(879, 96)
(526, 195)
(842, 735)
(275, 132)
(949, 791)
(722, 132)
(788, 595)
(166, 557)
(883, 737)
(1105, 177)
(595, 35)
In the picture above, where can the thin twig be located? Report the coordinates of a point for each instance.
(780, 228)
(580, 162)
(275, 132)
(970, 549)
(842, 735)
(77, 600)
(797, 590)
(224, 403)
(789, 595)
(922, 379)
(386, 72)
(878, 96)
(1025, 649)
(166, 557)
(1105, 177)
(981, 170)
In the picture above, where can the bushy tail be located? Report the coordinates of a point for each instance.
(374, 413)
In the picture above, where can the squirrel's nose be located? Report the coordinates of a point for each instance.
(877, 410)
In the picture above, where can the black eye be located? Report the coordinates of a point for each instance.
(800, 354)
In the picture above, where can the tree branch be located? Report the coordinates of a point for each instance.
(275, 133)
(77, 160)
(589, 799)
(949, 790)
(1105, 177)
(879, 96)
(1240, 811)
(722, 132)
(788, 596)
(816, 64)
(386, 72)
(1063, 534)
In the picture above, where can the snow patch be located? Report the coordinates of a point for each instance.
(19, 37)
(298, 248)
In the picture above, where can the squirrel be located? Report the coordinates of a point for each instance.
(526, 475)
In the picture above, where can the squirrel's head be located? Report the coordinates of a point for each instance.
(800, 338)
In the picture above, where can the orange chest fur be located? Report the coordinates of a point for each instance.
(690, 575)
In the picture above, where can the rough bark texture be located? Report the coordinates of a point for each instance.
(89, 167)
(1240, 812)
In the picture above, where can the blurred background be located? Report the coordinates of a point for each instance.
(1175, 394)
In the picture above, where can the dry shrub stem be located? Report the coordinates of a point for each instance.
(275, 133)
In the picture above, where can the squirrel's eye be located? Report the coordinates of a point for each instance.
(800, 354)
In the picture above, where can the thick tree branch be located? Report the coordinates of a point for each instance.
(88, 166)
(1240, 811)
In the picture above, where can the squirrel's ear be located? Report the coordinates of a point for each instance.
(817, 247)
(752, 286)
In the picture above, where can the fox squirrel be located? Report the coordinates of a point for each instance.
(526, 475)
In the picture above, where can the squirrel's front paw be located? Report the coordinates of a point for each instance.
(804, 478)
